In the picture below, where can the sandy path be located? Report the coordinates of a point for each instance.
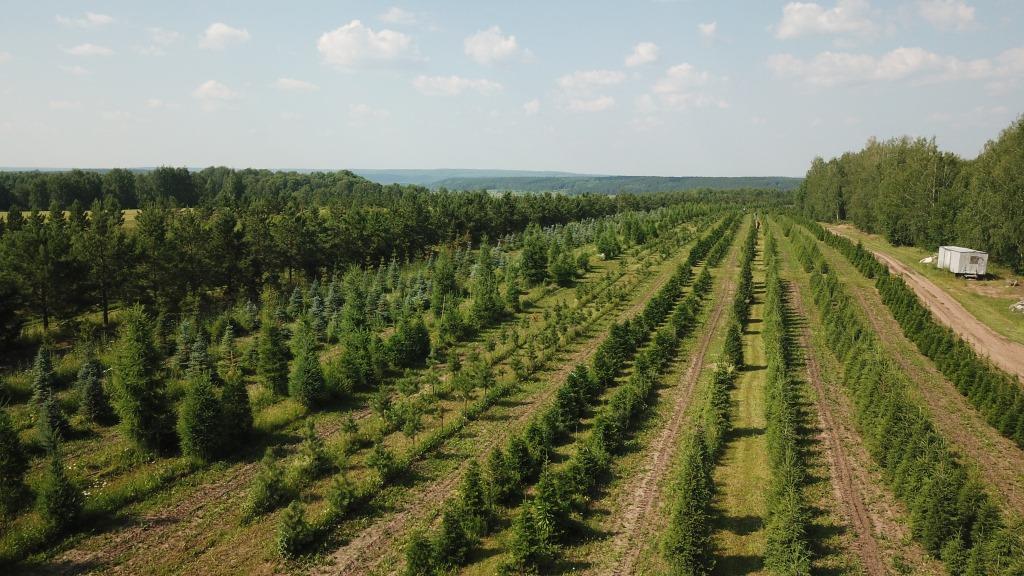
(840, 470)
(1003, 352)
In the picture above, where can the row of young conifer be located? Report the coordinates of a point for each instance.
(473, 513)
(276, 486)
(787, 546)
(951, 514)
(688, 546)
(996, 395)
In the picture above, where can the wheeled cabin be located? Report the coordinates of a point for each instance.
(962, 261)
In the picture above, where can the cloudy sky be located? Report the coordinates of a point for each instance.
(641, 87)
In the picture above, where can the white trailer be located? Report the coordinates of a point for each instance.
(962, 261)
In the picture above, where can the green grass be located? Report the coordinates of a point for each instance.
(988, 300)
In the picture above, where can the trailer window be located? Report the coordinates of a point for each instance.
(975, 260)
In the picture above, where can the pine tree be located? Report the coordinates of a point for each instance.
(306, 381)
(444, 284)
(313, 452)
(341, 497)
(561, 267)
(512, 289)
(93, 405)
(49, 417)
(501, 482)
(200, 420)
(734, 345)
(138, 395)
(272, 355)
(294, 533)
(268, 490)
(228, 367)
(318, 318)
(295, 304)
(59, 501)
(236, 414)
(534, 258)
(486, 305)
(13, 465)
(452, 544)
(419, 556)
(409, 345)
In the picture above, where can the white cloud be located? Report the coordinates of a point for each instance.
(847, 17)
(643, 53)
(293, 85)
(836, 68)
(159, 40)
(155, 103)
(396, 15)
(89, 50)
(598, 104)
(683, 86)
(491, 46)
(213, 95)
(75, 70)
(365, 112)
(531, 108)
(89, 20)
(354, 45)
(453, 85)
(947, 14)
(586, 80)
(5, 57)
(64, 104)
(219, 36)
(707, 29)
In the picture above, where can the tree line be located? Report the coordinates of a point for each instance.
(228, 234)
(913, 193)
(951, 514)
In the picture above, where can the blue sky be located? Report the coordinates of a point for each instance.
(659, 87)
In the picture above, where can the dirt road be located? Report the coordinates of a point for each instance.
(1003, 352)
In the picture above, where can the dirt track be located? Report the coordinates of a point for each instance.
(1003, 352)
(841, 472)
(645, 490)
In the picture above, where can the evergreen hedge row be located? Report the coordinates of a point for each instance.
(523, 461)
(951, 515)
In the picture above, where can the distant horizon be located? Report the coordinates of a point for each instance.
(554, 173)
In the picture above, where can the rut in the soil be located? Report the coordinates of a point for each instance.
(842, 475)
(645, 491)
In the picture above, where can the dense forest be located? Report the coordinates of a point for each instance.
(916, 194)
(581, 184)
(227, 234)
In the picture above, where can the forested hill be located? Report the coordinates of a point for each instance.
(583, 184)
(916, 194)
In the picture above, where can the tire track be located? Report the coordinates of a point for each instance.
(646, 491)
(841, 472)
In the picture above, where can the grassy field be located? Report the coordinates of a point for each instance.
(988, 300)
